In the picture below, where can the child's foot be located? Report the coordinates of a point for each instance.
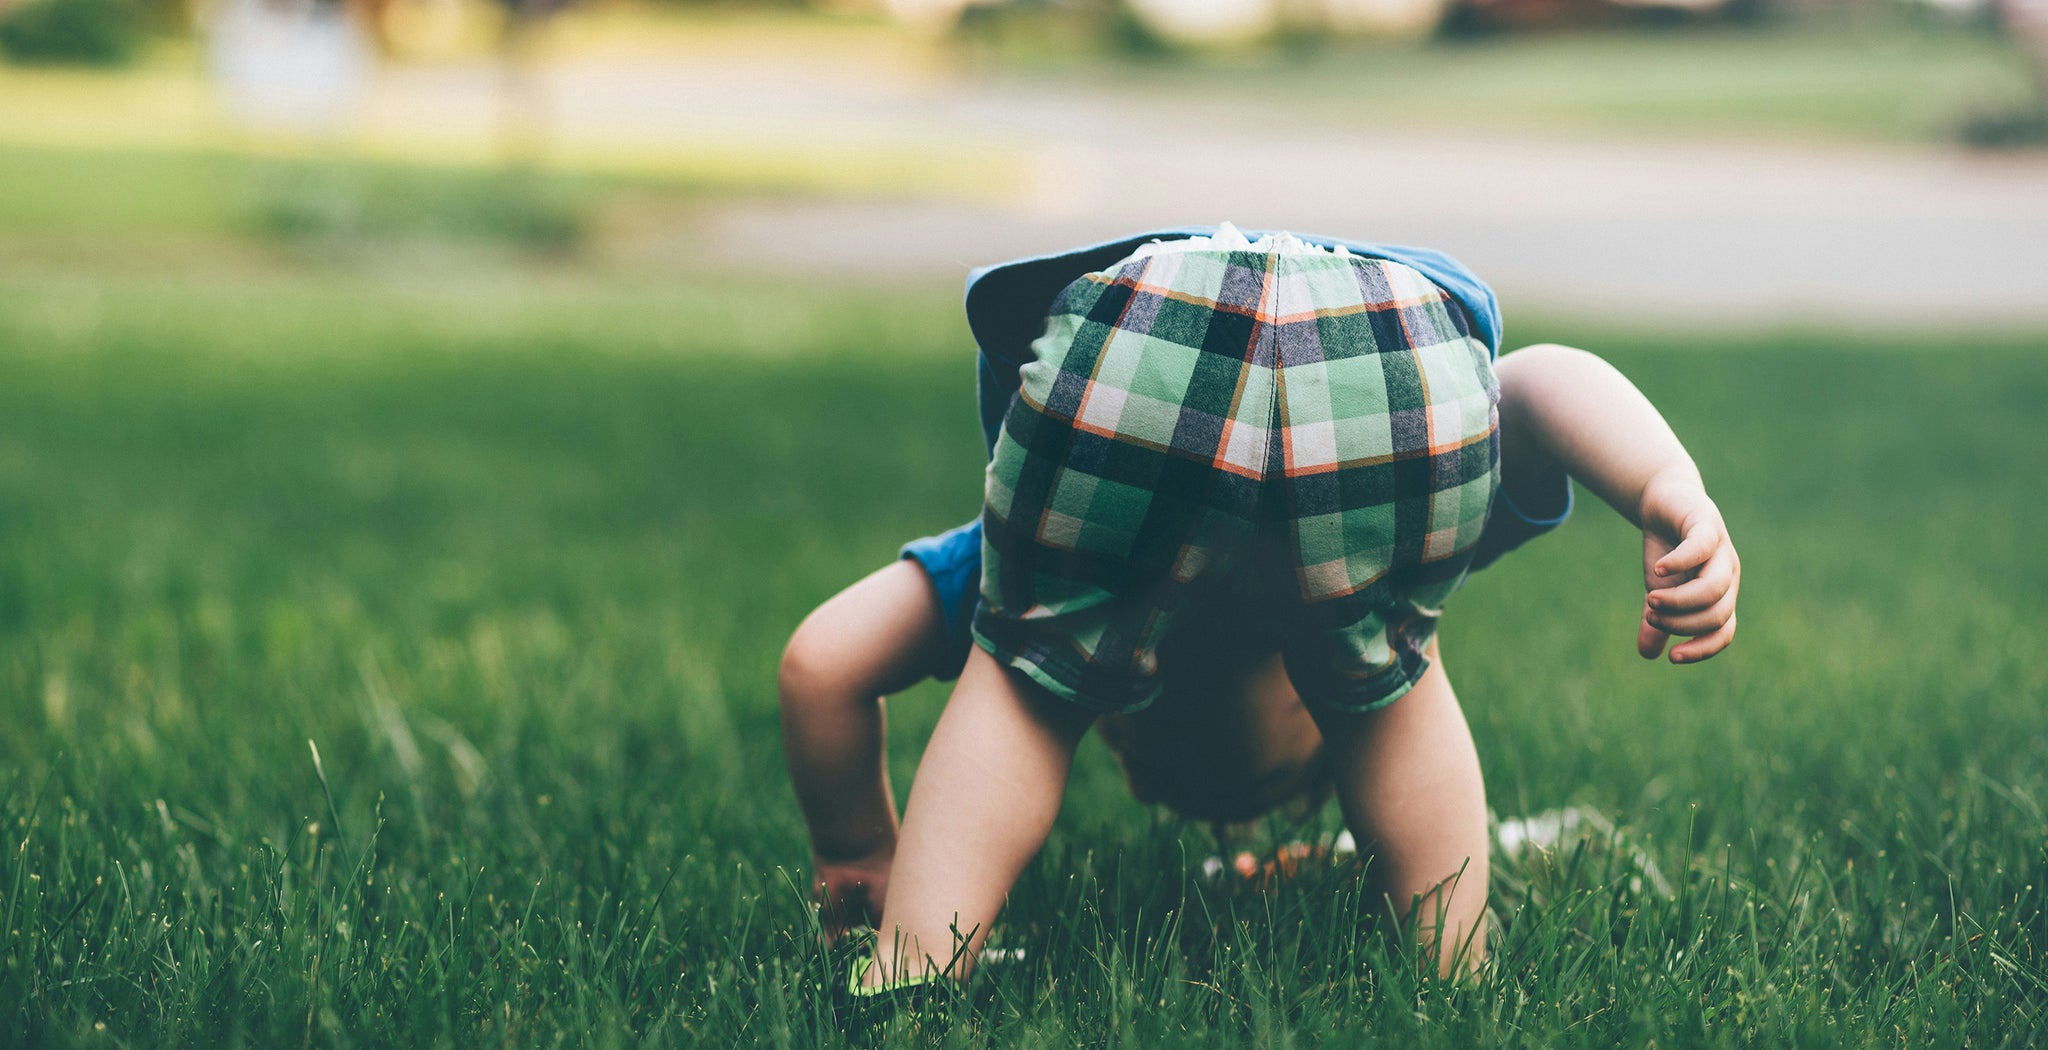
(924, 1001)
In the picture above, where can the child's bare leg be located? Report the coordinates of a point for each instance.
(876, 637)
(1408, 780)
(983, 802)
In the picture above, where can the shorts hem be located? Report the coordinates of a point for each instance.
(1045, 678)
(1345, 702)
(1540, 521)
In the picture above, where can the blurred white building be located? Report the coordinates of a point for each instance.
(289, 66)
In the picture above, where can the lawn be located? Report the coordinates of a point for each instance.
(517, 549)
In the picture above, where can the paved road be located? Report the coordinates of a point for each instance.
(1694, 233)
(1671, 230)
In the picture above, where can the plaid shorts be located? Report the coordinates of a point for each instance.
(1311, 436)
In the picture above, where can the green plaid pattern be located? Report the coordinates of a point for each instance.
(1310, 432)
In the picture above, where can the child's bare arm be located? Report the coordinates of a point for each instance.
(1563, 409)
(874, 638)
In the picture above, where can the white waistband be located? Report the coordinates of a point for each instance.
(1228, 238)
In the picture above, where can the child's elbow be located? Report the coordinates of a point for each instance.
(808, 668)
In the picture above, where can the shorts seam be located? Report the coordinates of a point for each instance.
(1044, 677)
(1402, 688)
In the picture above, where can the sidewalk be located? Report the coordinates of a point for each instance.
(1634, 232)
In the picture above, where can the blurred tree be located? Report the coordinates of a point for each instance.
(78, 32)
(2025, 124)
(523, 119)
(2027, 20)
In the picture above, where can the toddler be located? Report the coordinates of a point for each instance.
(1243, 475)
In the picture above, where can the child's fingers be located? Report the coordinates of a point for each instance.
(1705, 645)
(1704, 621)
(1700, 543)
(1715, 580)
(1649, 640)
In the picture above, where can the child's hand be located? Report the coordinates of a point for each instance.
(1690, 570)
(849, 893)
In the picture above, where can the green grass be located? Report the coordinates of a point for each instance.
(165, 112)
(98, 201)
(1875, 81)
(518, 554)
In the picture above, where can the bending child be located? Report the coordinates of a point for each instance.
(1299, 565)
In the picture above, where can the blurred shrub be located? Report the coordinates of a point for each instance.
(82, 32)
(2017, 127)
(1035, 32)
(1130, 35)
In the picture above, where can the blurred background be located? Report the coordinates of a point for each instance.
(1733, 161)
